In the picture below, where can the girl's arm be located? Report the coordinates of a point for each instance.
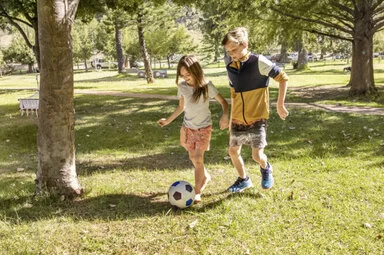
(179, 109)
(224, 106)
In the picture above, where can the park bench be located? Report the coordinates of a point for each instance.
(131, 70)
(156, 74)
(29, 104)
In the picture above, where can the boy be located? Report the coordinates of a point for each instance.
(248, 75)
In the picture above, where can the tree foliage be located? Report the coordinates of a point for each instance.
(351, 20)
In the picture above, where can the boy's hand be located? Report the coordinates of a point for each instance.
(282, 111)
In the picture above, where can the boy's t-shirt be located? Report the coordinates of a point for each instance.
(196, 114)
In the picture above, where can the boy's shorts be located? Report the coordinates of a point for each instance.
(253, 135)
(193, 139)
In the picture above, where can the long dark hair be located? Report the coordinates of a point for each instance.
(192, 65)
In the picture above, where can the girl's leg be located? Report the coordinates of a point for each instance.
(202, 176)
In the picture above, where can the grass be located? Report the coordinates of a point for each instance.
(328, 172)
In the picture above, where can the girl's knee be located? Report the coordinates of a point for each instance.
(233, 151)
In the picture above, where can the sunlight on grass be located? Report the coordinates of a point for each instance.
(328, 170)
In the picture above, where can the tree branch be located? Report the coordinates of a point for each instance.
(342, 7)
(329, 35)
(317, 21)
(4, 14)
(12, 21)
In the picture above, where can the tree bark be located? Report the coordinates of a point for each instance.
(56, 150)
(119, 48)
(362, 78)
(143, 48)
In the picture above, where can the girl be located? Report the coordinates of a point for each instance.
(195, 134)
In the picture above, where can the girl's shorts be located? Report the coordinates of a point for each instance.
(253, 135)
(195, 139)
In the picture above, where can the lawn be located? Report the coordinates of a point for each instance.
(328, 168)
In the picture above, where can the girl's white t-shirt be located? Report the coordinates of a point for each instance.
(196, 114)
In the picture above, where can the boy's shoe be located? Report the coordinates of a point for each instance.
(240, 185)
(266, 177)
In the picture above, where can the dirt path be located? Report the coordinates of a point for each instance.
(325, 107)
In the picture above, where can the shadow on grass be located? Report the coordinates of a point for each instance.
(152, 162)
(106, 207)
(107, 125)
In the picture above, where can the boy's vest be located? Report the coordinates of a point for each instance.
(251, 97)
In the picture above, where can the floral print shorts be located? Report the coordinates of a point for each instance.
(195, 139)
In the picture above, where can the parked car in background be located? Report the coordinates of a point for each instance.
(99, 63)
(312, 56)
(137, 64)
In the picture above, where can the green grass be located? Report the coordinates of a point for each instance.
(328, 170)
(323, 83)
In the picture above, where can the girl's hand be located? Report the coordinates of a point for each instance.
(162, 122)
(224, 122)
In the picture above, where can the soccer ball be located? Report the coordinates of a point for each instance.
(181, 194)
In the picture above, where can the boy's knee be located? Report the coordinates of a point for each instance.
(256, 157)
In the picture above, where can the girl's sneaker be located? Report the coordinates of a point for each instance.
(240, 185)
(266, 177)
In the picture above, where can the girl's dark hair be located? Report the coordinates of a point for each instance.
(192, 65)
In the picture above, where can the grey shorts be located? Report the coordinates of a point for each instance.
(254, 135)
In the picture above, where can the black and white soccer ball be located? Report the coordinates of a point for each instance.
(181, 194)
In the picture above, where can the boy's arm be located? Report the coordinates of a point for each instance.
(179, 109)
(281, 110)
(224, 106)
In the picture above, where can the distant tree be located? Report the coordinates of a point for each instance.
(22, 14)
(2, 63)
(213, 26)
(56, 172)
(19, 52)
(355, 21)
(131, 47)
(83, 42)
(117, 19)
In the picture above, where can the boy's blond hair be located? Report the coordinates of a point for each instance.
(237, 35)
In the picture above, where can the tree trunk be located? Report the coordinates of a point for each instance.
(56, 150)
(36, 47)
(143, 48)
(85, 65)
(362, 78)
(283, 53)
(119, 49)
(302, 60)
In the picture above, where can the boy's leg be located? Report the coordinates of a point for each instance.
(259, 156)
(243, 181)
(267, 180)
(237, 160)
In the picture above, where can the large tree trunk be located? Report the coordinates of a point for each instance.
(119, 48)
(143, 48)
(56, 151)
(362, 79)
(36, 47)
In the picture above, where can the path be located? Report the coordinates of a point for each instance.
(325, 107)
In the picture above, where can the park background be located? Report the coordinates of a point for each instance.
(328, 197)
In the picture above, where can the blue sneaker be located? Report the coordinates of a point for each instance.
(240, 185)
(266, 177)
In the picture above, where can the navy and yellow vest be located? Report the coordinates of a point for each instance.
(250, 95)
